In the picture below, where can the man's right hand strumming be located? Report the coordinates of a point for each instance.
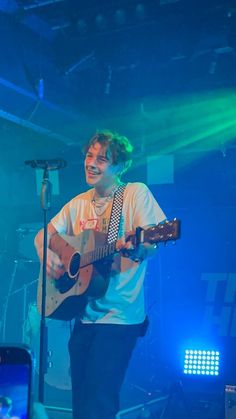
(54, 268)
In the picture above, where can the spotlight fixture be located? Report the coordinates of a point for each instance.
(201, 362)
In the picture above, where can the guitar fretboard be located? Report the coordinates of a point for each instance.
(168, 231)
(97, 254)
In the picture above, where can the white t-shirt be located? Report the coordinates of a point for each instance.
(123, 302)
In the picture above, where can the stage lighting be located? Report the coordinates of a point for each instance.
(201, 362)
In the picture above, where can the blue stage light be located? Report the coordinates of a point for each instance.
(201, 362)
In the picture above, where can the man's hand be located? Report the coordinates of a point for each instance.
(138, 253)
(54, 268)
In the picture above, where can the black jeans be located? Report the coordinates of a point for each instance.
(99, 355)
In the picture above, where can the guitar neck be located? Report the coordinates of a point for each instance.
(97, 254)
(168, 231)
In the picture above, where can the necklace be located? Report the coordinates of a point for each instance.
(100, 207)
(100, 203)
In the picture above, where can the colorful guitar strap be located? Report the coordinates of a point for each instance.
(116, 211)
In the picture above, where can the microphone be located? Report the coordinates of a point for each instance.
(50, 164)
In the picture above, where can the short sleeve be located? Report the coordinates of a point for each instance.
(62, 220)
(146, 210)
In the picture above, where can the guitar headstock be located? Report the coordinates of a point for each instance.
(167, 231)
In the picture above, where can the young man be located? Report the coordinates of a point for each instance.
(105, 335)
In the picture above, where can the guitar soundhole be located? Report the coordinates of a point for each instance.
(74, 264)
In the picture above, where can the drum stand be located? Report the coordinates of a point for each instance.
(5, 304)
(24, 291)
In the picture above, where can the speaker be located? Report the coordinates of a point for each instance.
(230, 402)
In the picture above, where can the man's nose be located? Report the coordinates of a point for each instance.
(92, 163)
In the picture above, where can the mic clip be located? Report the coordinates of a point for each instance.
(50, 164)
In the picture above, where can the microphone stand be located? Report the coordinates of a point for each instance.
(46, 191)
(46, 205)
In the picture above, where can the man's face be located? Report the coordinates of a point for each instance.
(99, 170)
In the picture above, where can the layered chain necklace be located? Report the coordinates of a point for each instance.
(100, 203)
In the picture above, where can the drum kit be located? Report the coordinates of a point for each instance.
(20, 317)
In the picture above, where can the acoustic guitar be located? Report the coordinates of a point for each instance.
(87, 261)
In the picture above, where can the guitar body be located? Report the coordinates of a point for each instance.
(66, 297)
